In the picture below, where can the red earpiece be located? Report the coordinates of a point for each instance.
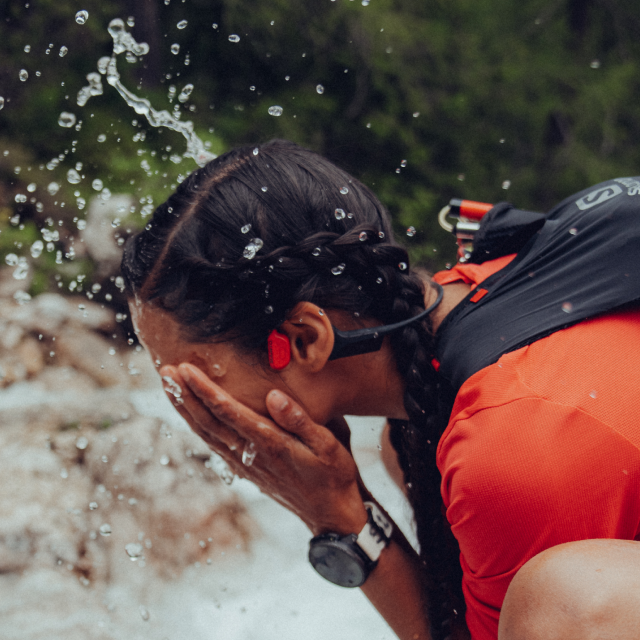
(279, 350)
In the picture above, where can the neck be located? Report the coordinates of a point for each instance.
(453, 294)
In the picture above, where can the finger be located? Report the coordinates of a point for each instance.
(247, 423)
(291, 417)
(200, 420)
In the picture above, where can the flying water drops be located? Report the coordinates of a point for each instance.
(275, 110)
(53, 188)
(340, 214)
(175, 49)
(105, 529)
(344, 191)
(63, 51)
(94, 88)
(36, 251)
(256, 151)
(316, 252)
(319, 89)
(221, 468)
(97, 184)
(1, 102)
(81, 16)
(185, 93)
(249, 454)
(73, 176)
(144, 613)
(246, 228)
(234, 37)
(337, 270)
(124, 42)
(402, 266)
(66, 119)
(23, 75)
(173, 389)
(363, 237)
(252, 248)
(506, 184)
(411, 231)
(182, 24)
(567, 307)
(134, 550)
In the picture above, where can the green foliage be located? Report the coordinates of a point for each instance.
(482, 99)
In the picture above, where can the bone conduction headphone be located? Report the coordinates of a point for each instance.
(346, 343)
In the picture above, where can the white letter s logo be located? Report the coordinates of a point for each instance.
(599, 195)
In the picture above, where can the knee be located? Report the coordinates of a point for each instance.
(575, 591)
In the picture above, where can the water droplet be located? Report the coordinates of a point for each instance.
(264, 189)
(573, 231)
(73, 176)
(340, 214)
(339, 269)
(81, 16)
(593, 394)
(320, 89)
(246, 228)
(316, 252)
(31, 187)
(93, 506)
(268, 309)
(234, 37)
(403, 163)
(402, 266)
(416, 114)
(173, 388)
(182, 24)
(66, 119)
(53, 188)
(506, 184)
(134, 550)
(23, 75)
(379, 281)
(567, 307)
(82, 443)
(344, 191)
(381, 235)
(175, 49)
(20, 197)
(27, 48)
(411, 231)
(249, 454)
(1, 102)
(144, 612)
(363, 237)
(97, 184)
(256, 151)
(11, 259)
(252, 248)
(164, 460)
(105, 529)
(36, 249)
(275, 110)
(102, 137)
(63, 51)
(217, 370)
(185, 93)
(221, 469)
(365, 3)
(595, 64)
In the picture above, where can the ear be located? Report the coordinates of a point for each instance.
(311, 336)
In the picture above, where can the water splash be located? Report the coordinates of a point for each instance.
(124, 42)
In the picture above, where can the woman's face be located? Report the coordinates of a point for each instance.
(161, 336)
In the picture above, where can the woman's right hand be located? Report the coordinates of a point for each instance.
(300, 464)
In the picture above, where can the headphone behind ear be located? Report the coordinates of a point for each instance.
(279, 350)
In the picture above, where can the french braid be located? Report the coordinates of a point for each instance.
(321, 237)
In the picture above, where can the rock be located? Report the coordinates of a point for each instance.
(91, 354)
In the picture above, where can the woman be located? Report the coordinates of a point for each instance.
(246, 288)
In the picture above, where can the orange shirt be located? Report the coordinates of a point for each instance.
(542, 447)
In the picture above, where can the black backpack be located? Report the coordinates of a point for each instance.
(580, 260)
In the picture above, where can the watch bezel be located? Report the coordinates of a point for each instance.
(353, 560)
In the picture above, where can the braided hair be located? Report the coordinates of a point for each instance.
(264, 227)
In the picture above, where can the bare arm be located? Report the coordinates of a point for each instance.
(309, 470)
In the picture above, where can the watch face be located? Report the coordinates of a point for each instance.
(336, 562)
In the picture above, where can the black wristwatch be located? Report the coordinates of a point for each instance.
(348, 560)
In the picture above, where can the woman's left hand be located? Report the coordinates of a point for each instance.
(301, 464)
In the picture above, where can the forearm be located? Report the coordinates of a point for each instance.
(395, 588)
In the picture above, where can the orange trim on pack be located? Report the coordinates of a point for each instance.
(480, 293)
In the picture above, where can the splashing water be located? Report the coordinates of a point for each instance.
(124, 42)
(249, 454)
(221, 468)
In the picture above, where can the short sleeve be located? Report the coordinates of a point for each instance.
(525, 475)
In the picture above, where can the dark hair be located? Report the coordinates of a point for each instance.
(263, 227)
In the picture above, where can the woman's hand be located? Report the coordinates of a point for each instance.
(302, 465)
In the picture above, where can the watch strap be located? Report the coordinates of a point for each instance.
(375, 534)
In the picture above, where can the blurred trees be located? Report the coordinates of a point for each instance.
(489, 100)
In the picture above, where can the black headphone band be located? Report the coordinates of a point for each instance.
(358, 341)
